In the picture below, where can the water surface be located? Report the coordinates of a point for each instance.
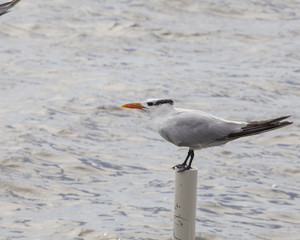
(74, 165)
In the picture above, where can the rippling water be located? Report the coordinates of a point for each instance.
(76, 166)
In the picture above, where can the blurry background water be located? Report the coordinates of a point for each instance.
(74, 165)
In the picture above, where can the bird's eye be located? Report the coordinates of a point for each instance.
(150, 104)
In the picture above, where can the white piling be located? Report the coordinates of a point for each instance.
(185, 205)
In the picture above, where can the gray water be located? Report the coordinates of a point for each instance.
(74, 165)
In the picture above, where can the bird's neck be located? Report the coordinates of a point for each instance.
(162, 111)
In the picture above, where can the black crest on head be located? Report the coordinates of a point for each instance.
(157, 102)
(163, 101)
(160, 102)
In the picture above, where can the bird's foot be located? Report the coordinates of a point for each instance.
(181, 167)
(184, 169)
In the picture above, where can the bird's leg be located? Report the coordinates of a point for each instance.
(191, 160)
(189, 166)
(183, 166)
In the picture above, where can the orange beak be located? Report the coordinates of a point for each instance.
(133, 105)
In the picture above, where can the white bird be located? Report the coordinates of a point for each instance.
(196, 129)
(5, 7)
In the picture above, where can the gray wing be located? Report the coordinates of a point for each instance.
(196, 129)
(4, 7)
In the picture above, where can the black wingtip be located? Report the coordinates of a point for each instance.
(256, 127)
(279, 119)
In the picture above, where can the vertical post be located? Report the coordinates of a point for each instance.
(185, 205)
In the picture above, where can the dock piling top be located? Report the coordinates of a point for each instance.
(185, 205)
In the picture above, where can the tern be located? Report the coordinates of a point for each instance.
(5, 7)
(196, 129)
